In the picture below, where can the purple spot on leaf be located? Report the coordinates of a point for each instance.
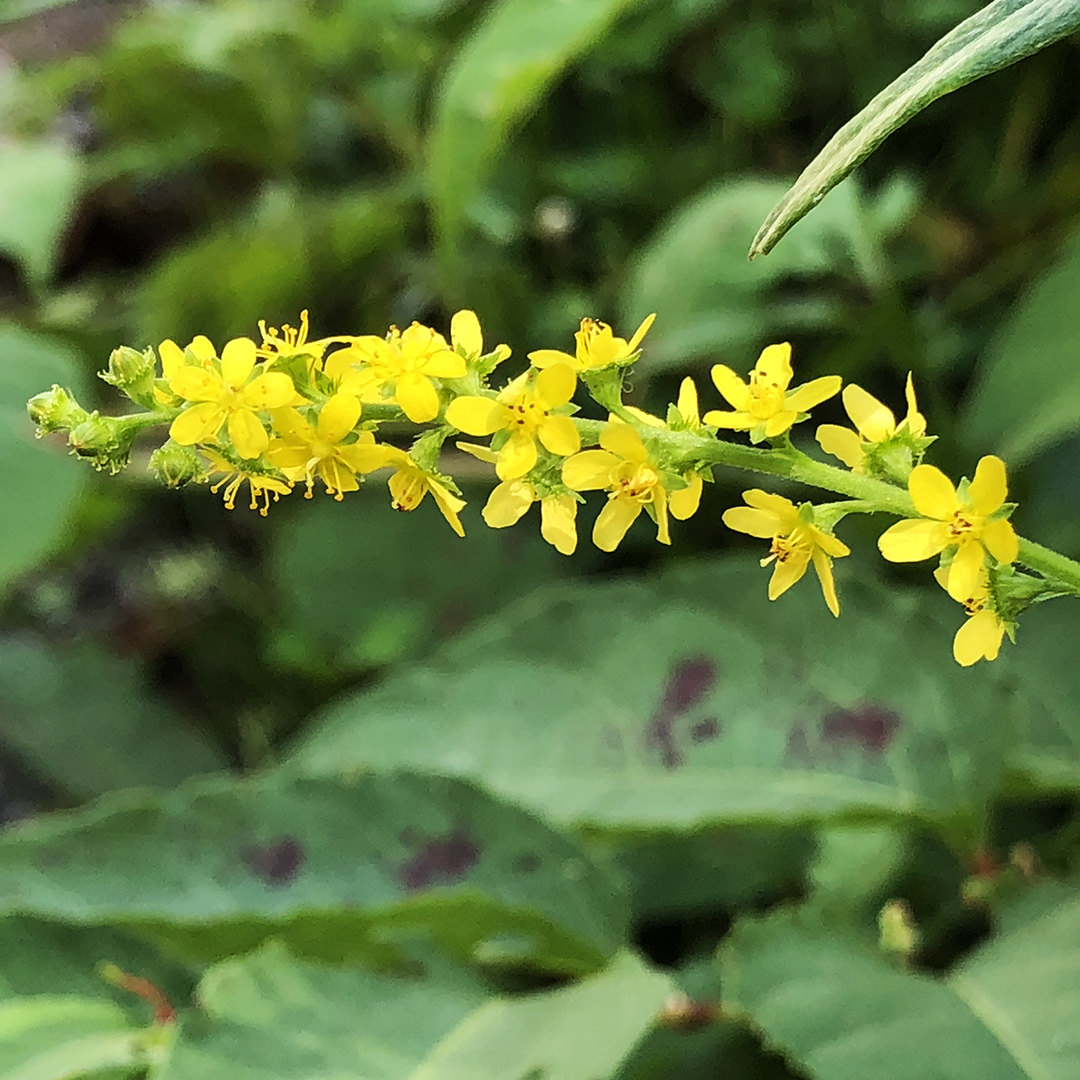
(277, 863)
(528, 863)
(688, 682)
(440, 861)
(705, 730)
(869, 725)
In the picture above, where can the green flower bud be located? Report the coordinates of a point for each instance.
(133, 374)
(55, 410)
(105, 441)
(175, 465)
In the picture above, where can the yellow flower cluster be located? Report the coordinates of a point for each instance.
(290, 411)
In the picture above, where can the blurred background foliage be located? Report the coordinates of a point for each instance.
(687, 754)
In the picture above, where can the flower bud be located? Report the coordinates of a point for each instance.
(55, 410)
(133, 374)
(175, 465)
(105, 441)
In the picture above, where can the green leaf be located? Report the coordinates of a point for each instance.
(693, 701)
(1027, 391)
(693, 273)
(60, 1038)
(39, 182)
(83, 718)
(268, 1016)
(338, 869)
(513, 55)
(39, 483)
(1002, 33)
(582, 1032)
(844, 1011)
(386, 607)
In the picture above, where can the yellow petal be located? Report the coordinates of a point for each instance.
(778, 423)
(784, 509)
(745, 519)
(337, 418)
(831, 545)
(200, 423)
(508, 503)
(804, 398)
(196, 384)
(444, 364)
(731, 421)
(660, 507)
(684, 502)
(589, 470)
(774, 365)
(688, 403)
(735, 391)
(842, 443)
(823, 568)
(247, 434)
(555, 385)
(367, 457)
(172, 358)
(417, 397)
(517, 457)
(449, 505)
(465, 333)
(932, 492)
(558, 514)
(979, 638)
(623, 440)
(789, 571)
(614, 520)
(476, 415)
(484, 453)
(639, 333)
(642, 415)
(270, 391)
(915, 421)
(913, 541)
(237, 360)
(989, 488)
(559, 435)
(203, 348)
(543, 358)
(875, 421)
(999, 538)
(965, 570)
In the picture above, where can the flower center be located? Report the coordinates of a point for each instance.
(963, 526)
(635, 482)
(409, 494)
(524, 414)
(766, 397)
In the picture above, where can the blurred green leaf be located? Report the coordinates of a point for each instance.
(39, 485)
(692, 700)
(1000, 34)
(39, 182)
(383, 607)
(61, 1038)
(694, 273)
(267, 1016)
(497, 76)
(1027, 392)
(581, 1032)
(84, 720)
(854, 868)
(337, 869)
(844, 1011)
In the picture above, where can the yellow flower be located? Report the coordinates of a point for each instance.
(795, 542)
(289, 341)
(410, 483)
(766, 408)
(510, 500)
(406, 361)
(173, 358)
(597, 347)
(234, 477)
(527, 415)
(468, 340)
(949, 520)
(980, 637)
(231, 396)
(683, 503)
(305, 453)
(632, 481)
(874, 422)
